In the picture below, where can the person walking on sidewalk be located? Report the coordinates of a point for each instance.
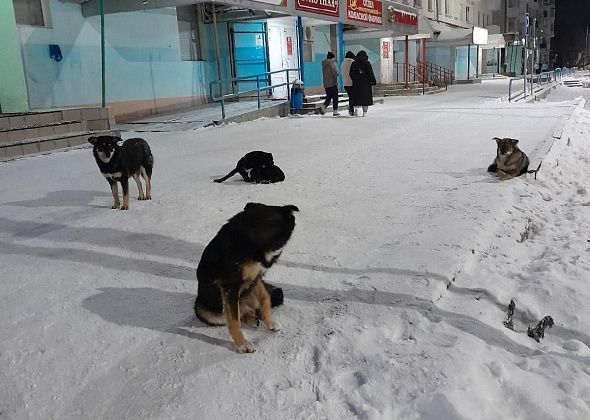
(363, 80)
(330, 78)
(347, 81)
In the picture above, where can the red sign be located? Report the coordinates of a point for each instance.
(289, 46)
(385, 50)
(366, 11)
(323, 7)
(405, 18)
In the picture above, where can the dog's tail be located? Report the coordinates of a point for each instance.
(534, 171)
(232, 173)
(276, 294)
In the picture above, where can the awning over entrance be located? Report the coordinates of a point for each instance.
(375, 14)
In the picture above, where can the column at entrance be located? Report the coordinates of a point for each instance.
(13, 89)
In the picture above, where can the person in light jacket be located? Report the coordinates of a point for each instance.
(330, 79)
(346, 80)
(363, 80)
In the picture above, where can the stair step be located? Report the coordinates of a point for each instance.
(44, 144)
(31, 132)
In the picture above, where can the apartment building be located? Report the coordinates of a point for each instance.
(511, 19)
(457, 13)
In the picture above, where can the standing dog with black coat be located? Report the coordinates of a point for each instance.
(117, 162)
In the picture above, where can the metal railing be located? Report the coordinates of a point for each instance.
(436, 75)
(540, 80)
(409, 73)
(263, 82)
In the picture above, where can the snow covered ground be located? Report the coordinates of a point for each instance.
(405, 256)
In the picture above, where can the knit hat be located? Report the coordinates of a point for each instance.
(330, 54)
(349, 54)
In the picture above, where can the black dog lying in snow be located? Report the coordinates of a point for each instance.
(258, 167)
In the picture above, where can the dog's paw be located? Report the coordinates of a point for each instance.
(148, 197)
(115, 207)
(246, 347)
(124, 207)
(141, 198)
(274, 326)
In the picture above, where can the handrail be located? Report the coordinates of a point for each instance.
(258, 78)
(544, 78)
(437, 75)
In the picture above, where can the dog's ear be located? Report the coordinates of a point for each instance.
(497, 139)
(514, 141)
(291, 208)
(118, 140)
(92, 140)
(252, 205)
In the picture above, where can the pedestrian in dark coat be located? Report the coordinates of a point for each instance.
(363, 80)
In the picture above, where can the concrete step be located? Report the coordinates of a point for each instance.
(43, 144)
(322, 97)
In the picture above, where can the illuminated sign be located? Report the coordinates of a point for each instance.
(322, 7)
(366, 11)
(402, 17)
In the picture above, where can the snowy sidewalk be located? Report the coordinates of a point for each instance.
(388, 313)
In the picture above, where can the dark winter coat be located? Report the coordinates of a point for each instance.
(363, 80)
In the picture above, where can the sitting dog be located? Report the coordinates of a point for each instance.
(230, 285)
(117, 162)
(510, 160)
(267, 174)
(246, 164)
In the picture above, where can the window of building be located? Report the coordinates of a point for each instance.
(189, 19)
(512, 25)
(418, 3)
(30, 12)
(467, 14)
(430, 6)
(447, 7)
(511, 3)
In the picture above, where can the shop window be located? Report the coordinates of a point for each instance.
(189, 19)
(30, 12)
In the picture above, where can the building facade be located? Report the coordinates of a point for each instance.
(511, 19)
(167, 54)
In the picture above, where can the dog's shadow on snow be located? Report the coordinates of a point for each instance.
(136, 250)
(153, 309)
(66, 198)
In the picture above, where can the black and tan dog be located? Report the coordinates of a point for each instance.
(117, 162)
(233, 264)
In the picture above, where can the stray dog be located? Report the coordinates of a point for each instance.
(510, 160)
(267, 174)
(117, 162)
(230, 285)
(247, 163)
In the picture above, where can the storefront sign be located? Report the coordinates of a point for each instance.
(289, 45)
(366, 11)
(322, 7)
(385, 50)
(402, 17)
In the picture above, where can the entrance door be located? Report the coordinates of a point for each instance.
(282, 48)
(250, 57)
(386, 60)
